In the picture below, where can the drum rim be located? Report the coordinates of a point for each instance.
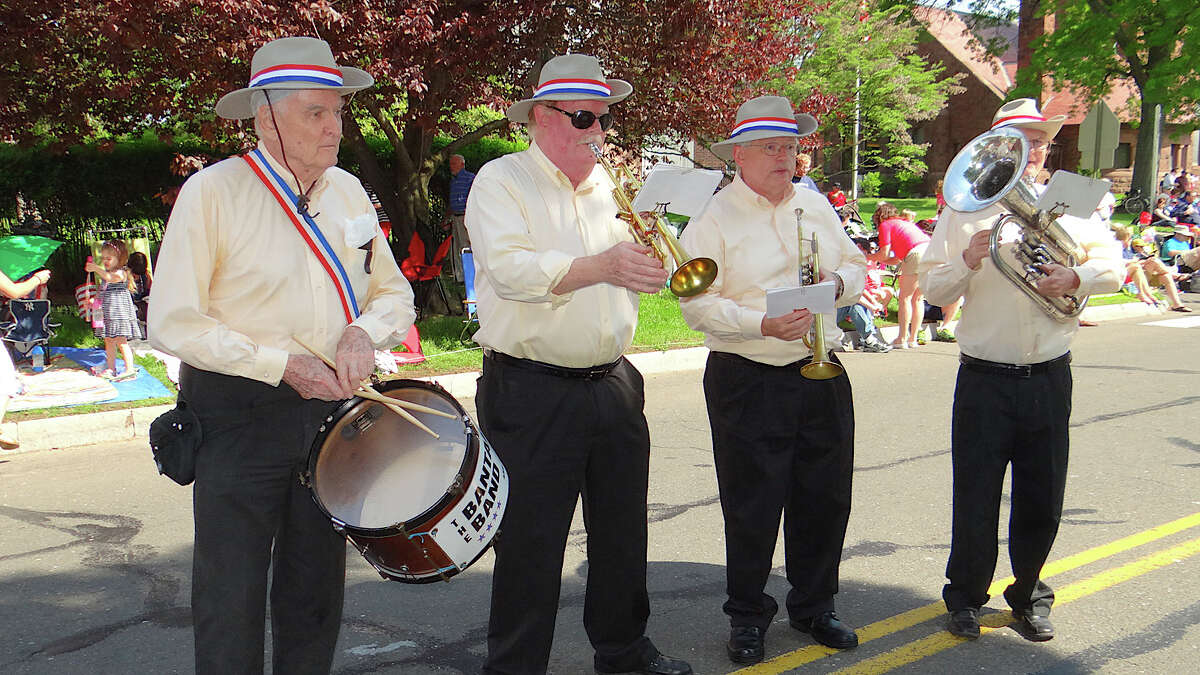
(469, 458)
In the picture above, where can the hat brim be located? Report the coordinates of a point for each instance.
(1050, 127)
(807, 125)
(236, 104)
(519, 111)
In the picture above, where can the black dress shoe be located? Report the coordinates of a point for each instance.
(661, 664)
(745, 645)
(827, 630)
(964, 623)
(1033, 627)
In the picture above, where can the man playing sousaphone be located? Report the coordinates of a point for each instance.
(1012, 401)
(558, 283)
(236, 281)
(783, 443)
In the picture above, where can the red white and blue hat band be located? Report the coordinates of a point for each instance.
(782, 124)
(291, 72)
(1018, 119)
(574, 86)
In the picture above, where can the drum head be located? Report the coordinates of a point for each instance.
(374, 469)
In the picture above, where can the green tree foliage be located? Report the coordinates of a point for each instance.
(1098, 43)
(899, 88)
(73, 71)
(1153, 43)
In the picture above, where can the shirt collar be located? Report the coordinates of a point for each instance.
(286, 174)
(752, 198)
(557, 174)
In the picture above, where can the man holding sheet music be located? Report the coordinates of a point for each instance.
(261, 248)
(782, 443)
(1012, 400)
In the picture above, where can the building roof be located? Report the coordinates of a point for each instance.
(999, 73)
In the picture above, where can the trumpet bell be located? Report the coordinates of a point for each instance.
(986, 169)
(821, 370)
(693, 277)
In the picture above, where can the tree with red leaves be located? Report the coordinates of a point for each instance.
(74, 70)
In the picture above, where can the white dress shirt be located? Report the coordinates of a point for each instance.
(527, 225)
(999, 322)
(235, 281)
(755, 246)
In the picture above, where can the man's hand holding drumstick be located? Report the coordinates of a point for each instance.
(347, 365)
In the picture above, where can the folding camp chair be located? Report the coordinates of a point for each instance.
(468, 263)
(425, 277)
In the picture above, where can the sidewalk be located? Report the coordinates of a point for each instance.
(123, 425)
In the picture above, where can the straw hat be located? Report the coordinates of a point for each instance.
(1024, 113)
(571, 77)
(764, 117)
(292, 63)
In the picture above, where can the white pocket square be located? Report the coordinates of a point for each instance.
(360, 229)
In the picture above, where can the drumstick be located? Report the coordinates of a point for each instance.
(366, 384)
(388, 402)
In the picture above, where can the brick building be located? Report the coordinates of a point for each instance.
(989, 79)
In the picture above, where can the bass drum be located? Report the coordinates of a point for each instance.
(419, 509)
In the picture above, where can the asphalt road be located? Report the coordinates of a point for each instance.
(95, 548)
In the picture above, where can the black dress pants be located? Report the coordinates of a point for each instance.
(1001, 420)
(782, 444)
(253, 515)
(560, 438)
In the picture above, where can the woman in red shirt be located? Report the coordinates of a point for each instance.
(901, 243)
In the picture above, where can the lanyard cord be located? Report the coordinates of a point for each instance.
(302, 198)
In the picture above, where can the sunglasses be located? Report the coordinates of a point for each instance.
(584, 119)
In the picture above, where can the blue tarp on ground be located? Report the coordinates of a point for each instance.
(144, 385)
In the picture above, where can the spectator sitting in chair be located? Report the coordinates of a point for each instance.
(1147, 271)
(1162, 213)
(1187, 211)
(1179, 248)
(874, 300)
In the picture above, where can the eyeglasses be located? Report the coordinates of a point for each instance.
(774, 149)
(584, 119)
(1041, 145)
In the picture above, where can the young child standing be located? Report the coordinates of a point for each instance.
(116, 301)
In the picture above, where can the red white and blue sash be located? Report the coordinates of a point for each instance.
(308, 230)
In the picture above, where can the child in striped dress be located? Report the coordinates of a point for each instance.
(116, 301)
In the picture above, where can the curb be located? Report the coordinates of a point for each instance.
(122, 425)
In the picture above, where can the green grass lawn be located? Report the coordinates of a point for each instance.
(660, 327)
(926, 207)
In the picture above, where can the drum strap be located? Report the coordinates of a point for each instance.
(307, 227)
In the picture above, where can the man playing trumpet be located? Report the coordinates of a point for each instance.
(783, 443)
(558, 283)
(1012, 401)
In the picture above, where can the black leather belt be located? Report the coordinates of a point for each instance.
(589, 373)
(1014, 369)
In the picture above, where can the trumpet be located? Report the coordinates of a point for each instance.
(820, 368)
(692, 275)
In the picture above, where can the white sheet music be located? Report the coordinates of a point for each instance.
(684, 191)
(816, 298)
(1078, 194)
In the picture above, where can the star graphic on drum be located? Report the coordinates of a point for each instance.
(481, 537)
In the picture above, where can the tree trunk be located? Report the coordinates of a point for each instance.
(1145, 163)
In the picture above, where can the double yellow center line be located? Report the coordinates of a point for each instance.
(943, 640)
